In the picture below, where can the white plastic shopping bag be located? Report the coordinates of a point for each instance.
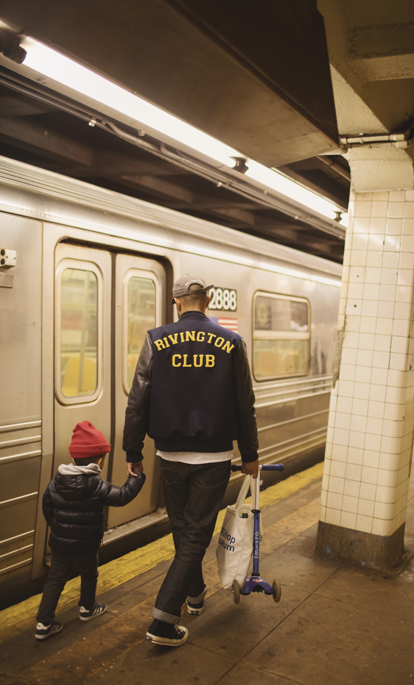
(235, 544)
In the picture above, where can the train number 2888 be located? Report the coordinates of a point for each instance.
(223, 299)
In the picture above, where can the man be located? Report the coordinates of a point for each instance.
(192, 393)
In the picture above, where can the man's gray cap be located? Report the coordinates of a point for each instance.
(181, 288)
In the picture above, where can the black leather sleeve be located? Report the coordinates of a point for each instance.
(137, 411)
(246, 414)
(115, 496)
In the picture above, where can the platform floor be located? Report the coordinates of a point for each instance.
(335, 624)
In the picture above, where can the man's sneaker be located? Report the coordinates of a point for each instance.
(88, 614)
(161, 633)
(43, 632)
(195, 609)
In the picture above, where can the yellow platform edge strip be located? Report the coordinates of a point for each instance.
(17, 618)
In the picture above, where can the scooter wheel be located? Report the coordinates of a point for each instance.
(235, 588)
(277, 590)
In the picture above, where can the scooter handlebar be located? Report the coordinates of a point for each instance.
(264, 467)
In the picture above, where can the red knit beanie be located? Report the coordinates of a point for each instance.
(87, 441)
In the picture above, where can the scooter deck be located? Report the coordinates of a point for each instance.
(256, 584)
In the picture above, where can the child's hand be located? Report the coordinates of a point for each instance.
(135, 467)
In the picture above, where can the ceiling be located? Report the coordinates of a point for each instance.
(371, 55)
(55, 134)
(245, 73)
(262, 87)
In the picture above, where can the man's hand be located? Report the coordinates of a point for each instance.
(137, 466)
(251, 469)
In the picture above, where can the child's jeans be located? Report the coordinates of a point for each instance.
(59, 574)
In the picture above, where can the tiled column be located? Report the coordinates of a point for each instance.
(371, 420)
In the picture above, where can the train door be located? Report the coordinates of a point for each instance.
(82, 343)
(104, 304)
(139, 284)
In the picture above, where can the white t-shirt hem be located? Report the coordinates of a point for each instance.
(196, 457)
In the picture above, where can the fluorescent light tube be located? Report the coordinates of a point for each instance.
(56, 66)
(284, 185)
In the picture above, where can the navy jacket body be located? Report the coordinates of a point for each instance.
(192, 391)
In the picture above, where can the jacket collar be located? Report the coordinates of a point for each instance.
(193, 313)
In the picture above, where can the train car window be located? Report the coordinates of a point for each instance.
(281, 336)
(140, 312)
(79, 333)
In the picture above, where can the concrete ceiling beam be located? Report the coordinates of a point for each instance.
(371, 52)
(383, 52)
(160, 187)
(34, 135)
(377, 167)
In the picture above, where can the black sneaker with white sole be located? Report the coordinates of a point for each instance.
(161, 633)
(98, 609)
(195, 609)
(43, 632)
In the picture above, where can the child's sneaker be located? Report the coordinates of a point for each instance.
(161, 633)
(88, 614)
(43, 632)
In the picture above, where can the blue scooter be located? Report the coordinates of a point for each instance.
(255, 582)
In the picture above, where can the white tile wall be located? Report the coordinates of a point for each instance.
(371, 420)
(348, 520)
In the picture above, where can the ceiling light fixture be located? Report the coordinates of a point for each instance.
(73, 75)
(284, 185)
(56, 66)
(10, 46)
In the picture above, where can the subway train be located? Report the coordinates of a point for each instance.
(84, 273)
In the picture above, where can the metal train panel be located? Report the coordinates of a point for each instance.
(94, 272)
(20, 416)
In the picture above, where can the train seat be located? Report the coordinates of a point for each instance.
(268, 364)
(89, 380)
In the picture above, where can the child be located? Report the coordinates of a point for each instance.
(73, 507)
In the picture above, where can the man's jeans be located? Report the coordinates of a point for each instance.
(60, 572)
(193, 495)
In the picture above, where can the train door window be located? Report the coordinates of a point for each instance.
(140, 316)
(78, 304)
(281, 336)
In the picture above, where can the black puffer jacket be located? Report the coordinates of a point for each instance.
(73, 507)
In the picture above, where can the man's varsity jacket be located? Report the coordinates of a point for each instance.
(192, 391)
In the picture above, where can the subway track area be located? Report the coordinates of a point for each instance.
(335, 624)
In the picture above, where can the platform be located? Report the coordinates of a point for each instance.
(335, 624)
